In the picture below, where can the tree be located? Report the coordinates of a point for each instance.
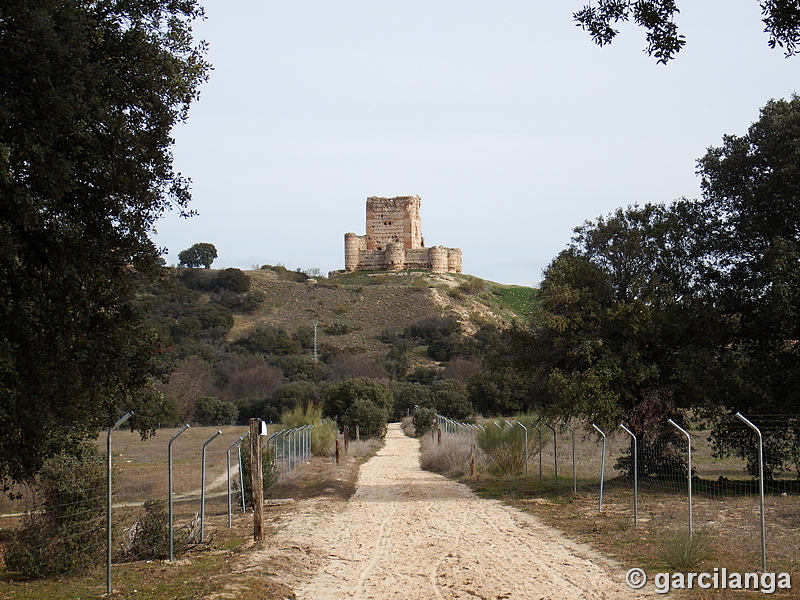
(627, 328)
(451, 399)
(198, 255)
(368, 417)
(91, 91)
(340, 396)
(213, 411)
(781, 20)
(751, 184)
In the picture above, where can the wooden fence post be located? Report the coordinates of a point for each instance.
(439, 436)
(472, 462)
(256, 480)
(337, 450)
(358, 437)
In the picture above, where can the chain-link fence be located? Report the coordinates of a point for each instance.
(658, 490)
(58, 524)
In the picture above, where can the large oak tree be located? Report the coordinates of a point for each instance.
(90, 92)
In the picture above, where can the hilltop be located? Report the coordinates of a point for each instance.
(353, 310)
(247, 337)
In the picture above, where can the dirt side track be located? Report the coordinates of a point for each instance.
(408, 533)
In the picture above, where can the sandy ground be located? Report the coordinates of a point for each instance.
(408, 533)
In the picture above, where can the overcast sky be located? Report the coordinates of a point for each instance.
(503, 116)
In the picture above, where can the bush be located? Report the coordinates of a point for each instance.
(369, 418)
(340, 396)
(504, 448)
(253, 300)
(212, 411)
(683, 552)
(148, 538)
(68, 534)
(269, 474)
(451, 457)
(451, 399)
(266, 339)
(323, 434)
(424, 420)
(232, 279)
(407, 396)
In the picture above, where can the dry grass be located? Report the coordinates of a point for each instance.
(451, 457)
(206, 570)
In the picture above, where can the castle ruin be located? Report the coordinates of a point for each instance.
(394, 240)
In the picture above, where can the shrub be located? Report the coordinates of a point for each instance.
(269, 474)
(451, 399)
(323, 434)
(407, 396)
(368, 417)
(504, 448)
(283, 273)
(266, 339)
(212, 411)
(473, 285)
(232, 279)
(424, 420)
(148, 538)
(253, 300)
(340, 396)
(683, 551)
(451, 457)
(68, 534)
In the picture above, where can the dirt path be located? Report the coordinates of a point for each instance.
(407, 533)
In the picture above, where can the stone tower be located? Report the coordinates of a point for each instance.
(394, 240)
(394, 220)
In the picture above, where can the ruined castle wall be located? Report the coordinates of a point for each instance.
(372, 260)
(454, 260)
(418, 259)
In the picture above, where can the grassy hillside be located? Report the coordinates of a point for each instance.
(354, 309)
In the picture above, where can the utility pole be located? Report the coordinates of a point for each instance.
(315, 322)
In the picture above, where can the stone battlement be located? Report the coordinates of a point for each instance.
(394, 240)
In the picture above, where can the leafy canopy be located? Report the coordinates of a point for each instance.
(781, 22)
(90, 93)
(198, 255)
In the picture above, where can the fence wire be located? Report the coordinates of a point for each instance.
(724, 475)
(60, 521)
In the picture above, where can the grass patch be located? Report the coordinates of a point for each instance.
(683, 552)
(521, 300)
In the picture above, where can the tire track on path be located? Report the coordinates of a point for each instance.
(407, 533)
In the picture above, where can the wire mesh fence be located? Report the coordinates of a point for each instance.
(59, 522)
(598, 473)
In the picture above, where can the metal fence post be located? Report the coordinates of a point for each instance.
(241, 478)
(555, 454)
(635, 475)
(169, 458)
(760, 490)
(203, 487)
(689, 473)
(574, 467)
(108, 514)
(526, 446)
(230, 504)
(602, 467)
(539, 431)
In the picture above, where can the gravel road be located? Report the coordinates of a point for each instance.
(410, 534)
